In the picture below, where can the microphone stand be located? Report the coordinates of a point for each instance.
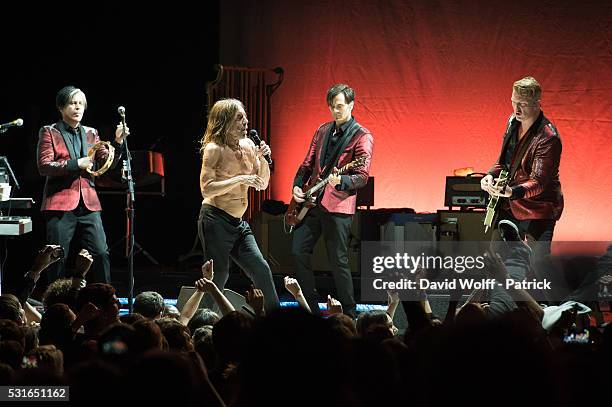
(129, 211)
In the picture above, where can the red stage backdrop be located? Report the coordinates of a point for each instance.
(433, 82)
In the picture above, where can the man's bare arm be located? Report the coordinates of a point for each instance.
(263, 168)
(264, 171)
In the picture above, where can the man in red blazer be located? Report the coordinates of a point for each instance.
(70, 203)
(531, 150)
(334, 145)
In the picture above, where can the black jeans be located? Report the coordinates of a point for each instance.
(87, 225)
(224, 237)
(336, 229)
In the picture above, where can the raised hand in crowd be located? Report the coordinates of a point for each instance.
(224, 304)
(255, 298)
(87, 313)
(333, 306)
(495, 266)
(292, 285)
(82, 264)
(521, 297)
(393, 301)
(207, 270)
(48, 255)
(205, 285)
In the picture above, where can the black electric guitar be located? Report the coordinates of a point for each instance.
(297, 211)
(502, 181)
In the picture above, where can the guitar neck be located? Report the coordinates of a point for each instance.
(318, 186)
(324, 182)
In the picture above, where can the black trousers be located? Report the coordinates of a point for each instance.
(87, 226)
(336, 229)
(224, 237)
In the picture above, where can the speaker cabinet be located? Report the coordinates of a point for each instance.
(409, 227)
(275, 245)
(274, 242)
(462, 226)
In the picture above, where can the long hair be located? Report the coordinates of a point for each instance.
(219, 119)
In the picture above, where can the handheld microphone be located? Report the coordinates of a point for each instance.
(255, 137)
(14, 123)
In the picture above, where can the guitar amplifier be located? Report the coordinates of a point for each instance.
(275, 244)
(465, 192)
(463, 226)
(15, 225)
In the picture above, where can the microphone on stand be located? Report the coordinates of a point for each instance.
(255, 137)
(126, 170)
(121, 111)
(15, 123)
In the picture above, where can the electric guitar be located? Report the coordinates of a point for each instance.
(297, 211)
(502, 181)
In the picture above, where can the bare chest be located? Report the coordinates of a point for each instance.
(236, 162)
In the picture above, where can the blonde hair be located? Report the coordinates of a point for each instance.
(528, 87)
(219, 119)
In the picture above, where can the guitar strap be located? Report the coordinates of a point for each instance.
(348, 135)
(523, 149)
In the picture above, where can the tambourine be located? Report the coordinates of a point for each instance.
(109, 159)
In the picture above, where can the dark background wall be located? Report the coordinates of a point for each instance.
(155, 61)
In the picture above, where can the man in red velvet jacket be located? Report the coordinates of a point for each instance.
(334, 145)
(531, 150)
(70, 203)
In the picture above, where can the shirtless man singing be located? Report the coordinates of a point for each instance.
(231, 164)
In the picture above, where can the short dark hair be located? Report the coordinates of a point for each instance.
(369, 319)
(10, 308)
(11, 331)
(99, 294)
(177, 334)
(65, 95)
(202, 317)
(149, 304)
(60, 292)
(335, 90)
(148, 335)
(342, 324)
(131, 319)
(231, 335)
